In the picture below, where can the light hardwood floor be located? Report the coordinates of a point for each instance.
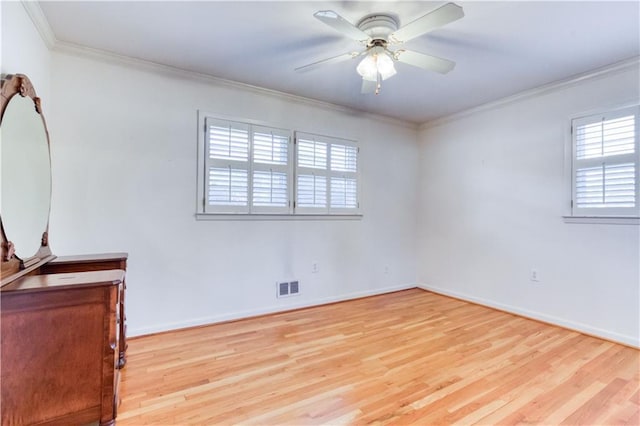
(411, 357)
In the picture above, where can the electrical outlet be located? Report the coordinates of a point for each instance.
(314, 268)
(534, 275)
(386, 269)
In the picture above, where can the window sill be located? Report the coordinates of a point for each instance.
(602, 220)
(230, 216)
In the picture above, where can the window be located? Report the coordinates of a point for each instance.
(247, 168)
(606, 164)
(326, 175)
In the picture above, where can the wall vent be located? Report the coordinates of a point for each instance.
(285, 289)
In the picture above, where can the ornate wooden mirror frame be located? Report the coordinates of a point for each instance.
(11, 265)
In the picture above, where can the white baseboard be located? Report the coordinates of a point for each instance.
(561, 322)
(230, 316)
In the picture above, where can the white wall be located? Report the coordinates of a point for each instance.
(124, 171)
(492, 194)
(124, 157)
(24, 51)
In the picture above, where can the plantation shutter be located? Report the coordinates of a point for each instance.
(226, 166)
(271, 171)
(249, 169)
(311, 174)
(344, 179)
(326, 175)
(606, 164)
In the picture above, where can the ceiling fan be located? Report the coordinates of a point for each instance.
(377, 33)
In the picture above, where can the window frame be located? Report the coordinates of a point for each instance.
(291, 212)
(604, 215)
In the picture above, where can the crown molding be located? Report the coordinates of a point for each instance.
(605, 71)
(168, 70)
(40, 22)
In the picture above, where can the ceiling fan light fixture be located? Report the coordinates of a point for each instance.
(385, 66)
(376, 62)
(368, 67)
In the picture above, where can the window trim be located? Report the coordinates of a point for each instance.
(275, 217)
(596, 216)
(261, 212)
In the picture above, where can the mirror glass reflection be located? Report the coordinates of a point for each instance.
(26, 176)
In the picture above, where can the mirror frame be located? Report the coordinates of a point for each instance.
(12, 266)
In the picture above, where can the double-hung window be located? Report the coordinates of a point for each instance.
(247, 168)
(606, 164)
(326, 175)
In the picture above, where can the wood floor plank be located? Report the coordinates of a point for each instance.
(410, 357)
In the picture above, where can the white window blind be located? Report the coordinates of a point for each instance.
(326, 175)
(606, 164)
(344, 193)
(312, 154)
(270, 189)
(227, 186)
(228, 141)
(311, 191)
(270, 146)
(247, 168)
(344, 158)
(271, 170)
(227, 166)
(344, 185)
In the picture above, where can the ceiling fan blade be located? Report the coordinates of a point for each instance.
(337, 22)
(331, 60)
(427, 62)
(432, 20)
(368, 86)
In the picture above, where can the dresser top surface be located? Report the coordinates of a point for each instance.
(65, 280)
(89, 258)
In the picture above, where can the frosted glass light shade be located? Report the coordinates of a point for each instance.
(368, 68)
(385, 66)
(376, 61)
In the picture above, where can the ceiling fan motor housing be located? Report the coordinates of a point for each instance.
(378, 27)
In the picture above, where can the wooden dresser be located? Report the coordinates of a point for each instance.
(62, 319)
(97, 262)
(60, 348)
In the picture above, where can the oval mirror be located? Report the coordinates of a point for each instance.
(25, 172)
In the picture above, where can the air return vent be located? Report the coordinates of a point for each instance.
(285, 289)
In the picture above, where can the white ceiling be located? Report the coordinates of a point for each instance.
(501, 48)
